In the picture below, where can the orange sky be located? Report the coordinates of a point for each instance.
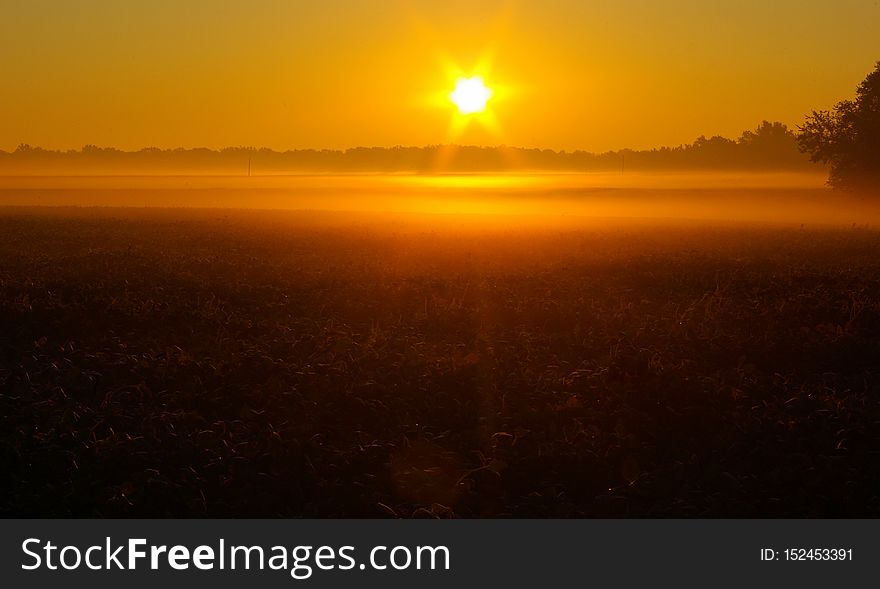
(567, 74)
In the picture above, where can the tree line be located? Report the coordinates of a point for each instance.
(770, 146)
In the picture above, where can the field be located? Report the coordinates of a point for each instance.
(207, 362)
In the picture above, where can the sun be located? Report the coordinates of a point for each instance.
(470, 95)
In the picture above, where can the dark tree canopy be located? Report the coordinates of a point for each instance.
(848, 138)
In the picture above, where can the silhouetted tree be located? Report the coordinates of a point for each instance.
(848, 137)
(771, 145)
(767, 135)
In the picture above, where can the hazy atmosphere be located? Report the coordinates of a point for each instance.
(410, 259)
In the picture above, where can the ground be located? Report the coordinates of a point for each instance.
(230, 363)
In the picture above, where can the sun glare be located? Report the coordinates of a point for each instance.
(470, 95)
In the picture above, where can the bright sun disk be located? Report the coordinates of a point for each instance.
(470, 95)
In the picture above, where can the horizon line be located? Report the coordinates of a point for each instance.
(500, 146)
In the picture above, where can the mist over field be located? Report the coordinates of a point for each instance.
(762, 197)
(544, 345)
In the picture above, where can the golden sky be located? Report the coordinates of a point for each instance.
(565, 74)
